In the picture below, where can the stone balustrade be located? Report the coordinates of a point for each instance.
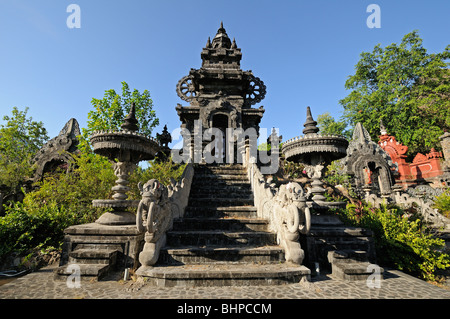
(285, 209)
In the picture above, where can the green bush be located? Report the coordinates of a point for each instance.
(442, 203)
(401, 239)
(64, 198)
(23, 228)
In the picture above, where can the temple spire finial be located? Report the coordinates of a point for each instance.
(221, 40)
(130, 123)
(310, 124)
(233, 45)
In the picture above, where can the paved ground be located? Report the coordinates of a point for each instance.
(396, 285)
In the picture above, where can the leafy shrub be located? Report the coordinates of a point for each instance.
(401, 239)
(163, 171)
(442, 203)
(64, 198)
(293, 170)
(23, 228)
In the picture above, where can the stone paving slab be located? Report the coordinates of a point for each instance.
(396, 285)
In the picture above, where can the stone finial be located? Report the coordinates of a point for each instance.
(234, 45)
(164, 138)
(130, 123)
(310, 124)
(221, 40)
(383, 130)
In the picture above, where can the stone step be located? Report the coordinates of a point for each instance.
(88, 272)
(221, 212)
(220, 255)
(202, 177)
(352, 265)
(220, 189)
(220, 192)
(93, 256)
(340, 231)
(224, 224)
(219, 238)
(220, 168)
(228, 195)
(220, 182)
(347, 256)
(325, 221)
(354, 271)
(220, 201)
(204, 275)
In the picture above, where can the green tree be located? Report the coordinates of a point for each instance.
(20, 139)
(328, 125)
(110, 111)
(404, 86)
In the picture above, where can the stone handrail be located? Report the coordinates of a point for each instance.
(156, 211)
(285, 209)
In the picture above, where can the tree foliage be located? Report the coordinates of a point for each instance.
(110, 111)
(20, 139)
(328, 125)
(405, 87)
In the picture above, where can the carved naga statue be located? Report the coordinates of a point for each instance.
(293, 217)
(153, 216)
(157, 209)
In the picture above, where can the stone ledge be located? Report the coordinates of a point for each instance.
(96, 229)
(224, 275)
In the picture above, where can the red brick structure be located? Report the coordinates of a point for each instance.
(423, 166)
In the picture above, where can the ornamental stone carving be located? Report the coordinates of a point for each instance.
(155, 213)
(58, 150)
(286, 210)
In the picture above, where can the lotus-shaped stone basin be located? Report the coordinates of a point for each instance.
(305, 149)
(125, 146)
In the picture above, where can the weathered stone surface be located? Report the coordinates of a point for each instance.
(58, 150)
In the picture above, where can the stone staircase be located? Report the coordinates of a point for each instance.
(347, 252)
(352, 265)
(220, 240)
(98, 250)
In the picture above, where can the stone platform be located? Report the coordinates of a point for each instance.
(396, 285)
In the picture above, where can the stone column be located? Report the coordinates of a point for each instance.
(445, 143)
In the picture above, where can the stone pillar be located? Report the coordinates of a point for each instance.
(445, 143)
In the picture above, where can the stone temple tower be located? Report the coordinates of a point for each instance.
(220, 93)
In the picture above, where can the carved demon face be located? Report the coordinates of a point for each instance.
(151, 189)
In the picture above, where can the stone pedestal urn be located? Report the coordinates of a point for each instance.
(316, 152)
(125, 148)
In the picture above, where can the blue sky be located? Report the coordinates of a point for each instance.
(303, 51)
